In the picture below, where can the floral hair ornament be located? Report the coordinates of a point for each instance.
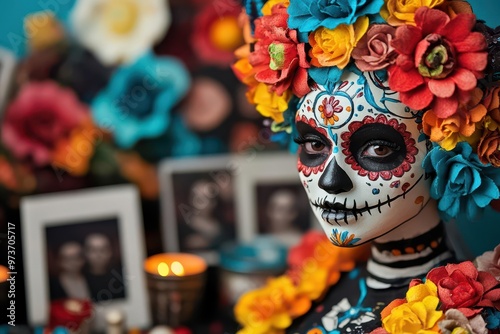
(433, 53)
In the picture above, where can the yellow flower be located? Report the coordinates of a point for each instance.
(43, 30)
(269, 104)
(270, 309)
(314, 282)
(266, 9)
(400, 12)
(418, 292)
(334, 47)
(420, 317)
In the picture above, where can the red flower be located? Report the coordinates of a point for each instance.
(439, 61)
(217, 33)
(41, 115)
(279, 59)
(298, 254)
(463, 287)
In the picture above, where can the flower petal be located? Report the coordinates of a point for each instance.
(472, 43)
(407, 38)
(404, 81)
(418, 98)
(442, 88)
(445, 107)
(475, 61)
(430, 20)
(464, 79)
(458, 27)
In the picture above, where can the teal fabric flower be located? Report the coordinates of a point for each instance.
(309, 15)
(139, 98)
(284, 133)
(326, 76)
(462, 184)
(492, 318)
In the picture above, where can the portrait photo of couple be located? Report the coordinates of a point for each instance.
(84, 261)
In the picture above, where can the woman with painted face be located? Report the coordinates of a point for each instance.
(394, 107)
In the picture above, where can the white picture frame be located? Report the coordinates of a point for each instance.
(189, 187)
(7, 66)
(48, 216)
(261, 182)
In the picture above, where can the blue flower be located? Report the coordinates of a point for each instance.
(284, 133)
(492, 319)
(326, 76)
(462, 184)
(309, 15)
(139, 98)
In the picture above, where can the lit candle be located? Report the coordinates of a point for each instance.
(4, 274)
(175, 265)
(175, 284)
(4, 291)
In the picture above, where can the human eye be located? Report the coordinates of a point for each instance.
(312, 144)
(379, 149)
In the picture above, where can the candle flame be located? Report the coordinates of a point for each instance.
(163, 269)
(177, 268)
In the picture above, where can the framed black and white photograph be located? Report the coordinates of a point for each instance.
(197, 205)
(86, 244)
(271, 200)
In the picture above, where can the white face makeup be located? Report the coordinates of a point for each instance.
(360, 159)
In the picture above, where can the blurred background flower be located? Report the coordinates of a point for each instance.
(119, 31)
(138, 100)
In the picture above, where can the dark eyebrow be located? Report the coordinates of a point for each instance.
(304, 128)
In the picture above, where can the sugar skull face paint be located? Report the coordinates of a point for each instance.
(360, 159)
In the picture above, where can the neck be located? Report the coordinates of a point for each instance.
(409, 251)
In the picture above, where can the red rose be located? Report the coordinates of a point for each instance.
(463, 287)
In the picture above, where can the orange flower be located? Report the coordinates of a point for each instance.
(138, 171)
(488, 149)
(73, 153)
(400, 12)
(272, 308)
(454, 7)
(334, 47)
(458, 127)
(492, 103)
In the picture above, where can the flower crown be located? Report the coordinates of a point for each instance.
(438, 58)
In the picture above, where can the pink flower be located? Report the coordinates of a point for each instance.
(454, 319)
(374, 51)
(439, 61)
(463, 287)
(279, 59)
(41, 115)
(490, 262)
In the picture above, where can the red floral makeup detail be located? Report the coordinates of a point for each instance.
(405, 166)
(302, 168)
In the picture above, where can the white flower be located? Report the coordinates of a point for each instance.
(120, 31)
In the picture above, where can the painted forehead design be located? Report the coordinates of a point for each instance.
(367, 94)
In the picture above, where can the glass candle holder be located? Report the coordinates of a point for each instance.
(247, 266)
(175, 285)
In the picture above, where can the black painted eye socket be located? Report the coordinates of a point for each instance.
(377, 147)
(315, 146)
